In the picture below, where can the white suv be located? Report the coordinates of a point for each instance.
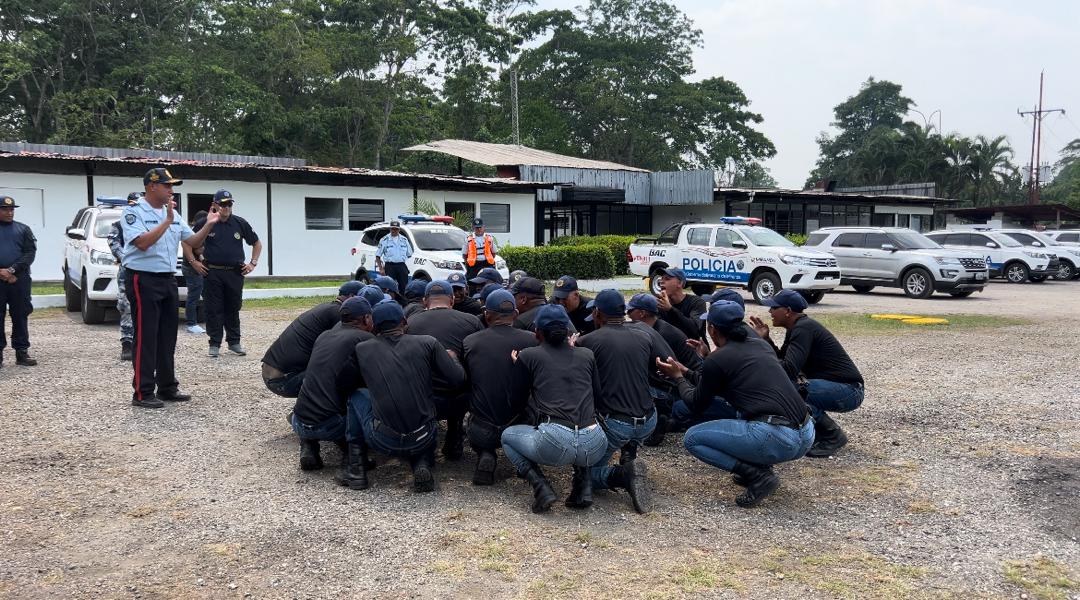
(1067, 265)
(436, 244)
(1004, 256)
(89, 267)
(899, 257)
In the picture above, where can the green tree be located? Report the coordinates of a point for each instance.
(1065, 188)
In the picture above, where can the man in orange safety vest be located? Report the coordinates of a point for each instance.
(479, 250)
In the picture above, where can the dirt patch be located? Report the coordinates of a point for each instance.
(1051, 489)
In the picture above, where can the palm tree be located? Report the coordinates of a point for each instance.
(990, 165)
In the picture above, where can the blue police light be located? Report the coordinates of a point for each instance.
(111, 201)
(740, 220)
(424, 219)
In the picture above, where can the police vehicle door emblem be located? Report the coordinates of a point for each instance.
(130, 219)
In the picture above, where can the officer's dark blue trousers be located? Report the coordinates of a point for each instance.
(223, 292)
(15, 299)
(154, 310)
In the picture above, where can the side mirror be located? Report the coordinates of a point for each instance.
(991, 245)
(738, 244)
(888, 247)
(1037, 244)
(76, 234)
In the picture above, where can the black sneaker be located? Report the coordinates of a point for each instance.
(174, 396)
(150, 402)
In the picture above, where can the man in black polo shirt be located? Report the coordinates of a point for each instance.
(320, 410)
(286, 362)
(224, 267)
(567, 295)
(833, 381)
(529, 294)
(495, 405)
(450, 327)
(463, 302)
(679, 308)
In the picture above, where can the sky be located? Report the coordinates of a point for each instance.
(975, 61)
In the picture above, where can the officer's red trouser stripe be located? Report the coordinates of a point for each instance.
(138, 336)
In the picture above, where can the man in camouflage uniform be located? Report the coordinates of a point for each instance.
(116, 244)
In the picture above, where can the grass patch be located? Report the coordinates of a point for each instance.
(1041, 577)
(856, 575)
(286, 303)
(706, 575)
(273, 283)
(857, 482)
(862, 324)
(44, 288)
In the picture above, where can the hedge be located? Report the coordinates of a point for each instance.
(551, 262)
(617, 245)
(796, 238)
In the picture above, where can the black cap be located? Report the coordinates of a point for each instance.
(354, 307)
(477, 223)
(439, 287)
(729, 294)
(608, 302)
(550, 315)
(487, 275)
(528, 285)
(645, 302)
(8, 202)
(387, 312)
(457, 280)
(564, 286)
(786, 299)
(415, 289)
(674, 272)
(395, 224)
(350, 288)
(724, 315)
(160, 175)
(223, 197)
(500, 301)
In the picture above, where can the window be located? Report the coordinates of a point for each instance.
(364, 213)
(903, 220)
(465, 210)
(815, 239)
(979, 240)
(849, 240)
(103, 224)
(1023, 238)
(1069, 237)
(372, 237)
(883, 219)
(724, 238)
(496, 217)
(323, 214)
(196, 203)
(876, 240)
(438, 240)
(957, 239)
(699, 236)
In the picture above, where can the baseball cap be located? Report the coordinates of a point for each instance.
(487, 275)
(350, 288)
(395, 224)
(528, 285)
(372, 293)
(674, 272)
(355, 307)
(416, 289)
(786, 299)
(160, 175)
(564, 286)
(133, 197)
(387, 312)
(487, 290)
(8, 202)
(500, 301)
(550, 315)
(223, 197)
(477, 223)
(386, 282)
(439, 287)
(724, 314)
(646, 302)
(517, 275)
(729, 294)
(457, 280)
(608, 302)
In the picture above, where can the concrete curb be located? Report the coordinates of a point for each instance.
(57, 300)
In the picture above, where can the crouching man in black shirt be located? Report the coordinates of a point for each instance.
(771, 423)
(834, 384)
(320, 410)
(395, 414)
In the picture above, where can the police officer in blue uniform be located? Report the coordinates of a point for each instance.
(224, 269)
(153, 232)
(18, 247)
(394, 250)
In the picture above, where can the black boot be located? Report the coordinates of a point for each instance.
(828, 438)
(22, 357)
(125, 350)
(628, 453)
(353, 473)
(581, 489)
(760, 482)
(423, 479)
(310, 459)
(657, 436)
(369, 463)
(632, 478)
(543, 495)
(454, 444)
(485, 468)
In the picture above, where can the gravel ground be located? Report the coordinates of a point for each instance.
(962, 479)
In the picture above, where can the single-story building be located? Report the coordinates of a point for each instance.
(1028, 216)
(308, 217)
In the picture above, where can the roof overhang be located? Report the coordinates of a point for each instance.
(501, 155)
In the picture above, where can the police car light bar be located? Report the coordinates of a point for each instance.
(425, 219)
(740, 220)
(112, 201)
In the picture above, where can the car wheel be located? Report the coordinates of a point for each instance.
(92, 312)
(1065, 272)
(654, 282)
(917, 283)
(962, 294)
(813, 296)
(72, 296)
(764, 286)
(862, 289)
(703, 289)
(1016, 272)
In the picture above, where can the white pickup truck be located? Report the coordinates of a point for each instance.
(736, 252)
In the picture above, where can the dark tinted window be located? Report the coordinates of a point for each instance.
(957, 239)
(849, 240)
(1023, 238)
(815, 239)
(876, 240)
(1069, 237)
(371, 238)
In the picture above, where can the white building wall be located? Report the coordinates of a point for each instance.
(522, 212)
(47, 203)
(665, 216)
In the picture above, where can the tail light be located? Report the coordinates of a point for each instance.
(629, 256)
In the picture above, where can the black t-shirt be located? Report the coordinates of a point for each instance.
(469, 306)
(674, 344)
(398, 371)
(577, 316)
(563, 381)
(748, 377)
(291, 351)
(525, 319)
(412, 308)
(686, 315)
(488, 362)
(625, 355)
(224, 244)
(450, 327)
(333, 374)
(814, 351)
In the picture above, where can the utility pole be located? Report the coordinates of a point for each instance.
(1036, 141)
(515, 115)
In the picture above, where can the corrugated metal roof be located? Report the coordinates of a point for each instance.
(806, 194)
(152, 154)
(497, 155)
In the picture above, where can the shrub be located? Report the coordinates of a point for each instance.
(796, 238)
(550, 262)
(617, 245)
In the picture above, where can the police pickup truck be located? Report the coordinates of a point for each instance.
(736, 252)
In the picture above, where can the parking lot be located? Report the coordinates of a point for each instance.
(962, 479)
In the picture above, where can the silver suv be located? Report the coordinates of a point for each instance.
(899, 257)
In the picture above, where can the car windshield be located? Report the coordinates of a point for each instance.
(104, 224)
(1042, 237)
(434, 240)
(909, 240)
(762, 236)
(1005, 240)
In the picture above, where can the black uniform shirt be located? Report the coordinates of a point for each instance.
(675, 342)
(333, 374)
(686, 315)
(577, 316)
(18, 247)
(412, 308)
(563, 381)
(525, 319)
(746, 375)
(291, 351)
(450, 327)
(224, 244)
(469, 306)
(811, 349)
(624, 358)
(491, 370)
(398, 371)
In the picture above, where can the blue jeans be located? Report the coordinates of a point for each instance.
(830, 396)
(723, 443)
(619, 433)
(288, 385)
(363, 427)
(553, 444)
(718, 409)
(194, 284)
(330, 430)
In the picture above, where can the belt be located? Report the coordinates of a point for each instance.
(150, 273)
(223, 267)
(416, 435)
(567, 424)
(778, 420)
(630, 419)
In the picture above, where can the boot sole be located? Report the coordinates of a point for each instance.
(759, 494)
(148, 404)
(826, 451)
(423, 480)
(638, 487)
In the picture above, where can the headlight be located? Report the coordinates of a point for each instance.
(947, 260)
(1035, 254)
(500, 264)
(104, 259)
(792, 259)
(449, 265)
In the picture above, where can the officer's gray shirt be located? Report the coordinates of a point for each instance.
(161, 256)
